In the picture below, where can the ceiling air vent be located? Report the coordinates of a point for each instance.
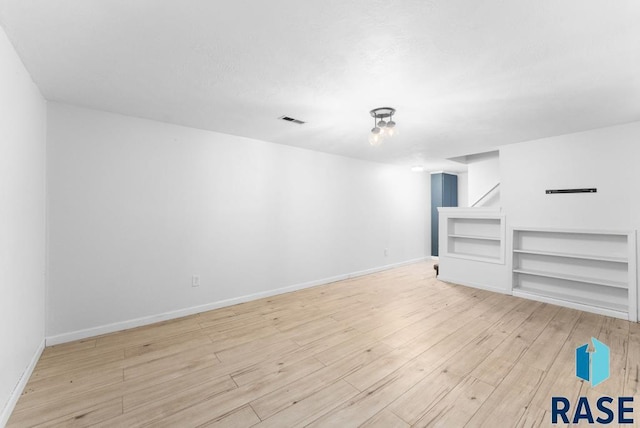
(290, 119)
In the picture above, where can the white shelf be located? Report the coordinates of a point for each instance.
(574, 231)
(619, 305)
(585, 269)
(475, 257)
(573, 278)
(606, 245)
(574, 256)
(559, 290)
(485, 238)
(617, 310)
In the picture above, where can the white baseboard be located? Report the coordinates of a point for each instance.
(138, 322)
(17, 391)
(474, 285)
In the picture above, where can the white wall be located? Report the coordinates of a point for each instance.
(22, 223)
(463, 189)
(483, 173)
(605, 158)
(137, 207)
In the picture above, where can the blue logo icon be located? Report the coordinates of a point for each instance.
(593, 366)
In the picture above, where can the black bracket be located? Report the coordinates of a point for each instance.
(554, 191)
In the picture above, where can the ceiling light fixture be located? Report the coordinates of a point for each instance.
(417, 168)
(382, 128)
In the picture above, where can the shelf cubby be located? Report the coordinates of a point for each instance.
(475, 236)
(473, 248)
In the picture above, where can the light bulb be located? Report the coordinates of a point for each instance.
(389, 131)
(375, 139)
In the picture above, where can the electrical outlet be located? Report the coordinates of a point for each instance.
(195, 281)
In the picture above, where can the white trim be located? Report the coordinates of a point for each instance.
(474, 285)
(138, 322)
(468, 210)
(633, 277)
(17, 391)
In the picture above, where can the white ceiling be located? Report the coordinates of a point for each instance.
(464, 76)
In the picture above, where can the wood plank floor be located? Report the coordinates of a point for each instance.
(393, 349)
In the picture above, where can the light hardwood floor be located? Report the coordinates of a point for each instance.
(393, 349)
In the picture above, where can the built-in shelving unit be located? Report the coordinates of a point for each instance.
(472, 248)
(588, 270)
(476, 236)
